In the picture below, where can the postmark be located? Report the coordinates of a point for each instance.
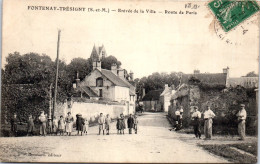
(231, 13)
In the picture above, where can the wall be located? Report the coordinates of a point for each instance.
(91, 111)
(122, 93)
(152, 106)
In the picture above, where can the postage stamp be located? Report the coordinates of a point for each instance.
(230, 13)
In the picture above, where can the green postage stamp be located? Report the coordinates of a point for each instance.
(232, 12)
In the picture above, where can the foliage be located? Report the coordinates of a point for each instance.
(26, 81)
(251, 74)
(156, 81)
(80, 66)
(108, 61)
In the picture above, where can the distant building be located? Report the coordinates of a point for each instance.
(246, 82)
(165, 97)
(151, 101)
(98, 53)
(102, 84)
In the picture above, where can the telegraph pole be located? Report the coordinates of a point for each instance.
(50, 102)
(57, 73)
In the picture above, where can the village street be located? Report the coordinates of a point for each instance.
(153, 143)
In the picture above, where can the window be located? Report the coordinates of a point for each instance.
(99, 82)
(100, 93)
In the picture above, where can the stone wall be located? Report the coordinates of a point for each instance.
(91, 111)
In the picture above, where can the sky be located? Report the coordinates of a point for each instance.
(143, 42)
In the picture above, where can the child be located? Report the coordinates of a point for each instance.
(55, 125)
(30, 125)
(14, 123)
(117, 125)
(122, 123)
(107, 121)
(85, 126)
(135, 124)
(61, 125)
(49, 127)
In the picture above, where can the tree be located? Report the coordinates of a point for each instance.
(81, 66)
(26, 82)
(108, 61)
(251, 74)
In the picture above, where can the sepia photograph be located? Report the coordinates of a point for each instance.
(111, 81)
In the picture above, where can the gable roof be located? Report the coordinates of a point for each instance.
(213, 78)
(152, 95)
(247, 82)
(90, 92)
(114, 78)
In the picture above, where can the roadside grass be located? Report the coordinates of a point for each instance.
(233, 156)
(248, 147)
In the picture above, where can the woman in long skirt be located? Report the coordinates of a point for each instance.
(69, 123)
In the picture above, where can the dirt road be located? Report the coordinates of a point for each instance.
(153, 143)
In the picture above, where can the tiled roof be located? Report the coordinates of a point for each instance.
(213, 78)
(114, 78)
(152, 95)
(90, 92)
(247, 82)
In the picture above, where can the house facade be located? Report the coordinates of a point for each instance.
(165, 97)
(109, 85)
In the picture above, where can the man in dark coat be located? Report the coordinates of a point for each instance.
(130, 123)
(14, 123)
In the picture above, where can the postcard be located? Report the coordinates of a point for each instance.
(129, 81)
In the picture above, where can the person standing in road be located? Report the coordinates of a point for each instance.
(130, 123)
(241, 116)
(196, 115)
(101, 122)
(177, 121)
(79, 123)
(69, 124)
(107, 121)
(208, 116)
(55, 125)
(30, 125)
(135, 123)
(181, 116)
(122, 123)
(61, 125)
(14, 123)
(49, 126)
(43, 122)
(85, 126)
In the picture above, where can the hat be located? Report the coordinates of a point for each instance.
(242, 105)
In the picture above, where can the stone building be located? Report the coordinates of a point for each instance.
(165, 97)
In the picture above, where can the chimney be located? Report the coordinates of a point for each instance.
(114, 68)
(226, 70)
(97, 65)
(120, 73)
(131, 74)
(166, 86)
(196, 71)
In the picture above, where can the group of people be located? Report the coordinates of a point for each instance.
(208, 121)
(65, 125)
(104, 124)
(55, 126)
